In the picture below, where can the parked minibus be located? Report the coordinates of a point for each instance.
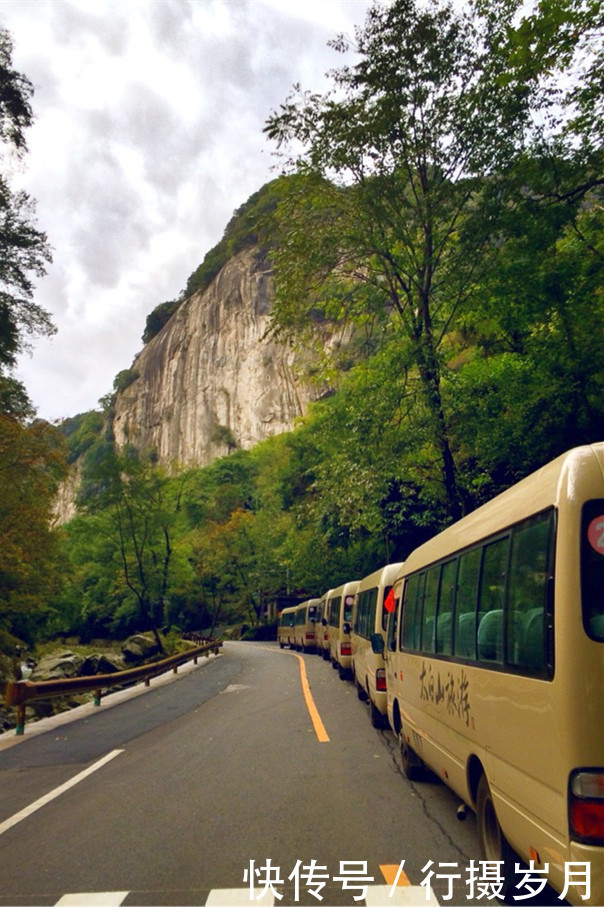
(305, 625)
(495, 671)
(339, 621)
(369, 618)
(285, 628)
(321, 627)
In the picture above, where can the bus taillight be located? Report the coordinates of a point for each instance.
(380, 680)
(586, 806)
(345, 648)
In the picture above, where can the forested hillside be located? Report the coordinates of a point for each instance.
(444, 202)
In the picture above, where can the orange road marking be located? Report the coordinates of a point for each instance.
(322, 735)
(392, 873)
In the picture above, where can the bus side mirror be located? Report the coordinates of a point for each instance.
(377, 643)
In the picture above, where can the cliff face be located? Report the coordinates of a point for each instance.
(209, 381)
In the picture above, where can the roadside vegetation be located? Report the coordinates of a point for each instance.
(445, 203)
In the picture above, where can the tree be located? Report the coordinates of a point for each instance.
(32, 463)
(136, 507)
(24, 250)
(558, 47)
(392, 160)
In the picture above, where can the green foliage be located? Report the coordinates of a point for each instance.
(160, 316)
(31, 466)
(24, 250)
(222, 434)
(15, 93)
(81, 432)
(124, 379)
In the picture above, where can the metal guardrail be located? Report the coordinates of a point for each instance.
(19, 692)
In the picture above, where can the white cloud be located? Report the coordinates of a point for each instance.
(148, 135)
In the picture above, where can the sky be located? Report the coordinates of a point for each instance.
(147, 137)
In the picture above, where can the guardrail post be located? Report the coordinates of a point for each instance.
(20, 729)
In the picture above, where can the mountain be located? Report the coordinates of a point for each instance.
(211, 381)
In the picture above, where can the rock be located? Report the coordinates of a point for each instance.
(139, 648)
(211, 379)
(53, 667)
(99, 663)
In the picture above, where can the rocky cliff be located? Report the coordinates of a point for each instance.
(210, 381)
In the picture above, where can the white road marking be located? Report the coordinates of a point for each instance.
(377, 896)
(93, 899)
(231, 897)
(53, 794)
(410, 895)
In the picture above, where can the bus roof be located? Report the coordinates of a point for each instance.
(546, 487)
(383, 576)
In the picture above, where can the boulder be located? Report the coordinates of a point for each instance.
(100, 663)
(53, 667)
(139, 648)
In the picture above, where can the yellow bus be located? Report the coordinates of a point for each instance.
(285, 628)
(321, 627)
(305, 625)
(369, 618)
(339, 620)
(495, 671)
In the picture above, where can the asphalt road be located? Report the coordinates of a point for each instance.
(218, 783)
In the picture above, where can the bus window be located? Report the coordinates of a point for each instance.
(467, 590)
(429, 617)
(592, 569)
(392, 628)
(412, 611)
(366, 607)
(528, 586)
(334, 613)
(348, 603)
(491, 601)
(444, 622)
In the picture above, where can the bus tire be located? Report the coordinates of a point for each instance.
(377, 719)
(361, 692)
(413, 766)
(492, 841)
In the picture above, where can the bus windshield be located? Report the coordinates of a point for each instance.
(592, 568)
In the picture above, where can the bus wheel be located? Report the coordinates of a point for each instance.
(492, 841)
(361, 692)
(413, 766)
(377, 719)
